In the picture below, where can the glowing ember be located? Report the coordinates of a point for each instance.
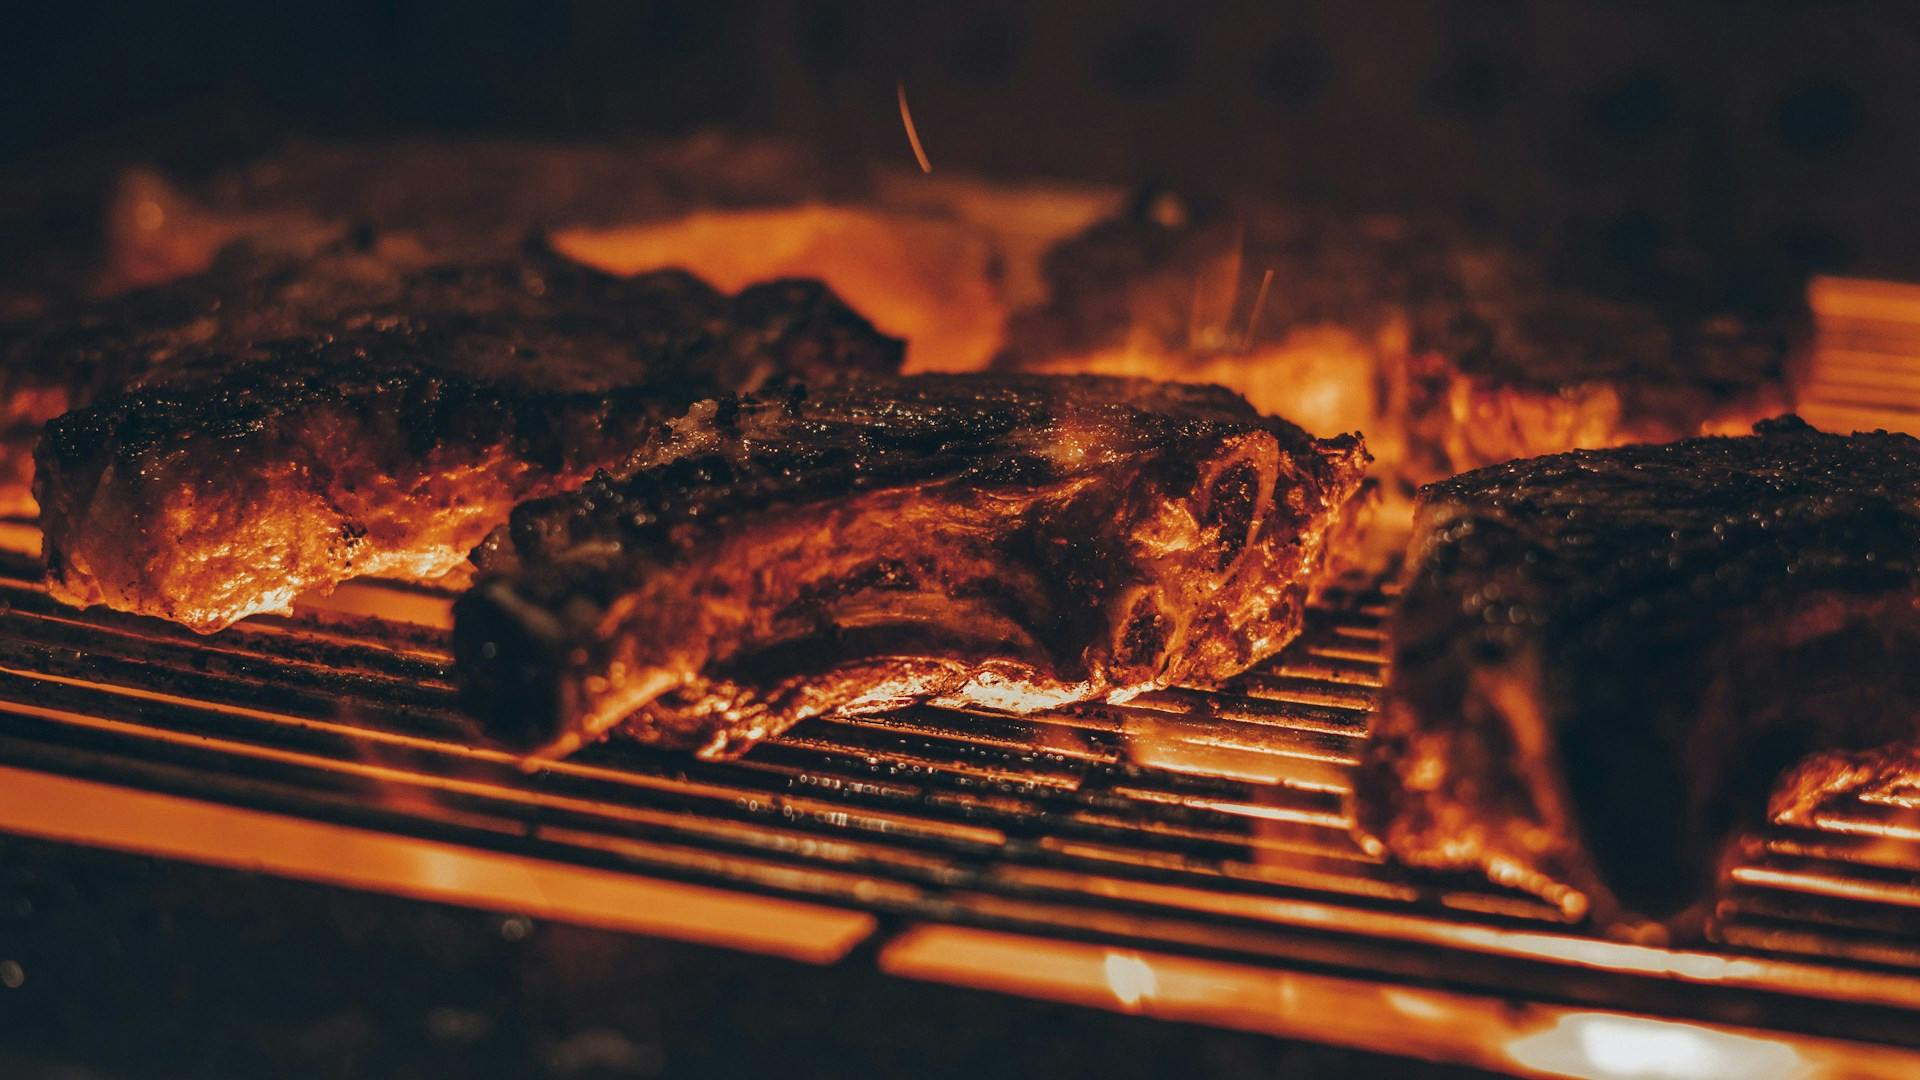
(913, 134)
(1259, 301)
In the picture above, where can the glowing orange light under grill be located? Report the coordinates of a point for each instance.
(59, 808)
(1438, 1025)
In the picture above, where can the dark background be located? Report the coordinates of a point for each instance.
(1780, 131)
(130, 967)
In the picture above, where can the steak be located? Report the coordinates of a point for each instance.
(1006, 542)
(1517, 365)
(1450, 350)
(1604, 662)
(290, 425)
(935, 262)
(224, 244)
(73, 350)
(1162, 291)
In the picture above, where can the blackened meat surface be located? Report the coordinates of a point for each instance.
(292, 424)
(1604, 661)
(406, 201)
(1010, 542)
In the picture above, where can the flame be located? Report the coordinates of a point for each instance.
(156, 233)
(1008, 691)
(1025, 220)
(1608, 1046)
(1259, 302)
(414, 605)
(928, 280)
(1319, 376)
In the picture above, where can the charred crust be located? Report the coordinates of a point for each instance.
(1230, 509)
(880, 575)
(1145, 637)
(1674, 624)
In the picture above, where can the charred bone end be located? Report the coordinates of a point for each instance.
(513, 658)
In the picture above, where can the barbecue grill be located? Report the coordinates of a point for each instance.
(1183, 856)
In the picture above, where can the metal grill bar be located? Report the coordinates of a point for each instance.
(1193, 827)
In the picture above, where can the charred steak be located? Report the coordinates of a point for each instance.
(1605, 661)
(351, 415)
(226, 241)
(1012, 542)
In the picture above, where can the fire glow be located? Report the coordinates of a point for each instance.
(1604, 1046)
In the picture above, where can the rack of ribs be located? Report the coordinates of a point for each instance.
(1604, 662)
(287, 425)
(1002, 542)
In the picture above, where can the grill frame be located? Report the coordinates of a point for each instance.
(1187, 839)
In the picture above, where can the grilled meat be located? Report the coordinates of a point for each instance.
(1604, 661)
(74, 351)
(292, 425)
(1009, 542)
(1155, 293)
(1450, 352)
(1516, 366)
(312, 200)
(936, 263)
(933, 261)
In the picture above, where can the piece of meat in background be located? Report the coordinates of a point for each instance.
(1451, 350)
(294, 424)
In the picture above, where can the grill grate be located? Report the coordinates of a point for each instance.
(1185, 855)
